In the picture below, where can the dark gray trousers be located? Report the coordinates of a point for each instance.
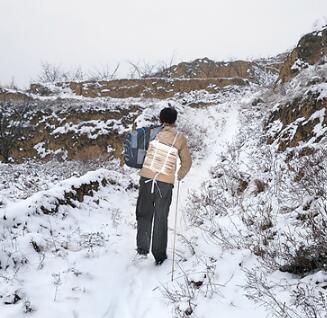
(153, 208)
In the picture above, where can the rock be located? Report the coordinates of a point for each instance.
(260, 185)
(12, 299)
(257, 101)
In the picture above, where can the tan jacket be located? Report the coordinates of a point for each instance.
(166, 136)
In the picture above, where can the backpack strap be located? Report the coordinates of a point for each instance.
(154, 132)
(144, 138)
(175, 139)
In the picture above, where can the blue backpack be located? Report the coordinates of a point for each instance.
(136, 145)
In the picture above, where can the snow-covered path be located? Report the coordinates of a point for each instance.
(222, 123)
(137, 286)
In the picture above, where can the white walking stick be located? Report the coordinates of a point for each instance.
(174, 244)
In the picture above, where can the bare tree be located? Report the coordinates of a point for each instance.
(50, 73)
(165, 67)
(145, 70)
(141, 69)
(12, 121)
(11, 85)
(105, 73)
(75, 74)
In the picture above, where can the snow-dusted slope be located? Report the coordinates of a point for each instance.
(78, 261)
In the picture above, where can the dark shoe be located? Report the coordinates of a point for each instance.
(140, 251)
(160, 261)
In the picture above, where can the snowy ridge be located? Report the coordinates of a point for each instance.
(91, 128)
(46, 201)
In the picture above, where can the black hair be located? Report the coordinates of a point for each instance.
(168, 115)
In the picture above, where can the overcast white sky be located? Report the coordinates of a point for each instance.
(95, 33)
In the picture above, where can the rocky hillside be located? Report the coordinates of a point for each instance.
(299, 114)
(310, 50)
(66, 127)
(72, 130)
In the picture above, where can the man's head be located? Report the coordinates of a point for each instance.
(168, 115)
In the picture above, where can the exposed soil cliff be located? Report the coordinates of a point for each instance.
(310, 50)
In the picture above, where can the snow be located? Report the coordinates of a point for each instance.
(320, 130)
(79, 261)
(91, 128)
(86, 268)
(21, 209)
(320, 24)
(321, 89)
(299, 65)
(42, 152)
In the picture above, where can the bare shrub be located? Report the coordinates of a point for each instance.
(190, 287)
(300, 247)
(196, 135)
(92, 240)
(13, 119)
(28, 307)
(57, 282)
(311, 184)
(307, 301)
(116, 217)
(144, 69)
(104, 73)
(311, 301)
(220, 196)
(52, 73)
(141, 69)
(11, 85)
(164, 68)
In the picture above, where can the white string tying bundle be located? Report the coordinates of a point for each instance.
(154, 182)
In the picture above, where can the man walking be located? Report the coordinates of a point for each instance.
(156, 185)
